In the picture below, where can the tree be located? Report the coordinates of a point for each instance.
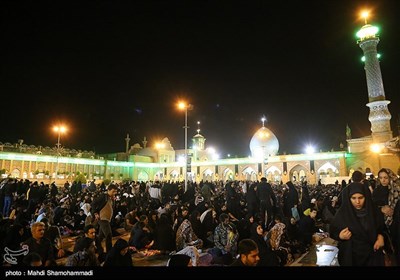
(80, 178)
(107, 182)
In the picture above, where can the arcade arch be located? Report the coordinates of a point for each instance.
(174, 176)
(273, 174)
(15, 173)
(228, 175)
(207, 175)
(328, 170)
(298, 173)
(143, 176)
(249, 174)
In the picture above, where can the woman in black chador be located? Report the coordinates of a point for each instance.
(358, 226)
(119, 255)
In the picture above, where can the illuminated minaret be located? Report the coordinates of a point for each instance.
(127, 139)
(379, 114)
(198, 143)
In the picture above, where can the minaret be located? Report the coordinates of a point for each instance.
(127, 139)
(379, 115)
(198, 142)
(198, 139)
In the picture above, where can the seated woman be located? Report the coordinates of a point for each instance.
(267, 256)
(187, 242)
(277, 240)
(185, 236)
(119, 255)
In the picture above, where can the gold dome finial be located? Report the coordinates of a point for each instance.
(263, 119)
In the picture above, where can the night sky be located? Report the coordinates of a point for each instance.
(108, 68)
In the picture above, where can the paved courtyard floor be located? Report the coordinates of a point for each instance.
(322, 253)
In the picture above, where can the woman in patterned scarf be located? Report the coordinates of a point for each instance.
(276, 232)
(276, 239)
(185, 236)
(386, 194)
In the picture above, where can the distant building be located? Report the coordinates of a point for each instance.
(367, 154)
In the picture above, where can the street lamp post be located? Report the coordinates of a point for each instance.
(186, 107)
(59, 129)
(186, 155)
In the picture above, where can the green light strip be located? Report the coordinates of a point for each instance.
(40, 158)
(234, 161)
(120, 163)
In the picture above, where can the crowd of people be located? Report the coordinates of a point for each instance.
(211, 223)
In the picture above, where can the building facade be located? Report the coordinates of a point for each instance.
(162, 162)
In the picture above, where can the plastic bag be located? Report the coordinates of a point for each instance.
(295, 214)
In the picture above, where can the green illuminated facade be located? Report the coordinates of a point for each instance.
(162, 163)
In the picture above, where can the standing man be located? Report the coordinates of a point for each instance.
(8, 190)
(103, 211)
(267, 201)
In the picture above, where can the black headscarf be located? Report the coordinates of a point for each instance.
(114, 257)
(351, 215)
(364, 224)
